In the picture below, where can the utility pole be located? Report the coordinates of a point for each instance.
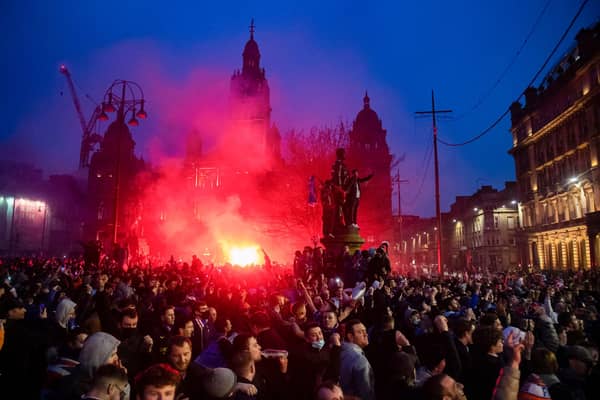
(399, 182)
(438, 214)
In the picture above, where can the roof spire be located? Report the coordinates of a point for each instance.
(366, 99)
(252, 29)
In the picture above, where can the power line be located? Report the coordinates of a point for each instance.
(537, 74)
(425, 168)
(508, 67)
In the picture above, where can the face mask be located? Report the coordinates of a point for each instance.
(416, 322)
(318, 344)
(129, 332)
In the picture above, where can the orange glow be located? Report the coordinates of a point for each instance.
(243, 255)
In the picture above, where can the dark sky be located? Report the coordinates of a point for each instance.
(320, 57)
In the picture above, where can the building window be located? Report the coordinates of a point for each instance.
(496, 222)
(511, 222)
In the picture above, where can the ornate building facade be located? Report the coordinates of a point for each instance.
(556, 146)
(112, 188)
(250, 105)
(480, 231)
(368, 152)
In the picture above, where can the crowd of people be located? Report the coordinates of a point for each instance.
(348, 328)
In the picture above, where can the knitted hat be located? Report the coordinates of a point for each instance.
(219, 382)
(534, 389)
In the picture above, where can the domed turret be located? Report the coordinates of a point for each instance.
(251, 54)
(367, 119)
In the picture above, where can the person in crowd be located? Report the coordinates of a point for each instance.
(314, 361)
(488, 345)
(356, 373)
(463, 339)
(158, 381)
(184, 326)
(163, 331)
(329, 390)
(110, 383)
(135, 349)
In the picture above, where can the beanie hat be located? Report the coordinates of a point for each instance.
(534, 389)
(219, 382)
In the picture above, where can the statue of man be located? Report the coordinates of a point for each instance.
(339, 176)
(353, 194)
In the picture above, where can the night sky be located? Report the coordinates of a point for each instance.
(319, 56)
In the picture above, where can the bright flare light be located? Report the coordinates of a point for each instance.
(245, 256)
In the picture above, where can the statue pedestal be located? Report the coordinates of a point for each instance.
(344, 236)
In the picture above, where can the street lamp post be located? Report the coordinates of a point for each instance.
(124, 97)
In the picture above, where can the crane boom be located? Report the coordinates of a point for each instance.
(65, 71)
(88, 139)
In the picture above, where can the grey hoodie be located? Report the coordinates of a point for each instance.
(96, 351)
(62, 311)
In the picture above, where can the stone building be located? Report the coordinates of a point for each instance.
(556, 145)
(480, 231)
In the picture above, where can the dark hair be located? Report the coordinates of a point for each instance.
(485, 337)
(129, 313)
(462, 326)
(564, 318)
(433, 355)
(350, 326)
(72, 335)
(109, 372)
(240, 343)
(433, 389)
(181, 321)
(488, 319)
(178, 341)
(260, 319)
(310, 325)
(158, 375)
(221, 323)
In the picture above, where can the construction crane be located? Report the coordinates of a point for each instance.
(88, 139)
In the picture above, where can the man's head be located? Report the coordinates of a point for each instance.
(167, 316)
(299, 311)
(488, 339)
(212, 314)
(356, 333)
(463, 330)
(200, 309)
(11, 308)
(491, 319)
(158, 382)
(128, 322)
(179, 352)
(443, 387)
(329, 319)
(246, 343)
(259, 321)
(329, 390)
(76, 338)
(110, 383)
(184, 327)
(313, 333)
